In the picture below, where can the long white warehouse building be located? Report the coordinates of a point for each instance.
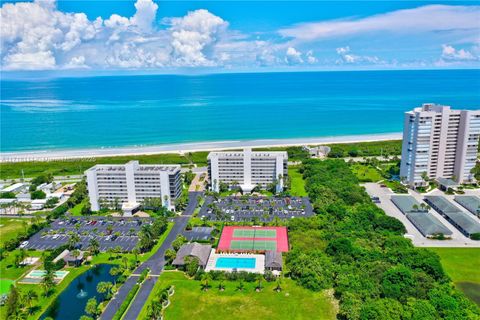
(247, 168)
(129, 184)
(440, 142)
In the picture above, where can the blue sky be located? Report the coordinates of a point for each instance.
(183, 36)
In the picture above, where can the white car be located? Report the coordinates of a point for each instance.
(23, 244)
(55, 236)
(232, 218)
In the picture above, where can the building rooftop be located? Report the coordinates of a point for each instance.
(13, 187)
(407, 204)
(240, 154)
(201, 251)
(138, 167)
(428, 224)
(449, 183)
(419, 217)
(471, 203)
(273, 259)
(460, 218)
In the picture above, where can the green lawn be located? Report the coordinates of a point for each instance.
(77, 210)
(297, 184)
(7, 266)
(459, 263)
(460, 266)
(366, 173)
(11, 227)
(5, 286)
(190, 302)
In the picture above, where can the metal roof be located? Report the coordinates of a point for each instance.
(427, 223)
(460, 218)
(471, 203)
(406, 203)
(423, 220)
(447, 182)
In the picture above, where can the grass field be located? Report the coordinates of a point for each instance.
(460, 266)
(77, 210)
(7, 265)
(5, 286)
(366, 173)
(297, 184)
(10, 227)
(190, 302)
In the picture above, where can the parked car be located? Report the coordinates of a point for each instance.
(23, 244)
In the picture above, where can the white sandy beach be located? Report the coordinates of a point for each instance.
(187, 147)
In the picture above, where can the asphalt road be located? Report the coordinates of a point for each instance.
(155, 263)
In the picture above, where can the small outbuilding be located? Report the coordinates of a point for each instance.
(273, 261)
(197, 250)
(446, 184)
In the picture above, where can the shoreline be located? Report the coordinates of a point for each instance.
(21, 156)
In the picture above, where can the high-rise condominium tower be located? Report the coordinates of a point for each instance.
(439, 142)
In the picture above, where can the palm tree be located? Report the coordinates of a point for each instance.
(48, 281)
(76, 253)
(104, 288)
(94, 246)
(73, 240)
(125, 261)
(110, 252)
(30, 296)
(135, 252)
(114, 272)
(206, 281)
(240, 285)
(278, 288)
(221, 285)
(259, 283)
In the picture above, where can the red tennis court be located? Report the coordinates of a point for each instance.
(239, 238)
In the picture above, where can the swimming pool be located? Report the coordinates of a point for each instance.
(235, 263)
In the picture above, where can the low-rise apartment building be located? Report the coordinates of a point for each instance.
(247, 169)
(128, 185)
(439, 142)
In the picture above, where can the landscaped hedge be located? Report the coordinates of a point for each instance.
(126, 302)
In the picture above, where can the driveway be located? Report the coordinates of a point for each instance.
(155, 263)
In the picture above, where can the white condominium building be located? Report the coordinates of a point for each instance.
(440, 142)
(247, 169)
(128, 185)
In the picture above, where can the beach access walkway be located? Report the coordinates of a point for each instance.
(155, 263)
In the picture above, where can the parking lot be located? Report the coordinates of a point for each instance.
(265, 209)
(384, 202)
(109, 232)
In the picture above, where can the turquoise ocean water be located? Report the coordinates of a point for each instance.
(76, 113)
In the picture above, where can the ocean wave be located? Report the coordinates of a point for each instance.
(44, 105)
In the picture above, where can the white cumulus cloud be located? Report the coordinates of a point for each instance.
(449, 53)
(293, 56)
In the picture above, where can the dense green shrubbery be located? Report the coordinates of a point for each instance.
(365, 149)
(352, 246)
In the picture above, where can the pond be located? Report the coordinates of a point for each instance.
(71, 303)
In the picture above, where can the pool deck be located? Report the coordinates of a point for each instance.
(259, 261)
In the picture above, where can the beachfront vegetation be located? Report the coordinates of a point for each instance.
(78, 166)
(238, 300)
(72, 167)
(352, 246)
(366, 149)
